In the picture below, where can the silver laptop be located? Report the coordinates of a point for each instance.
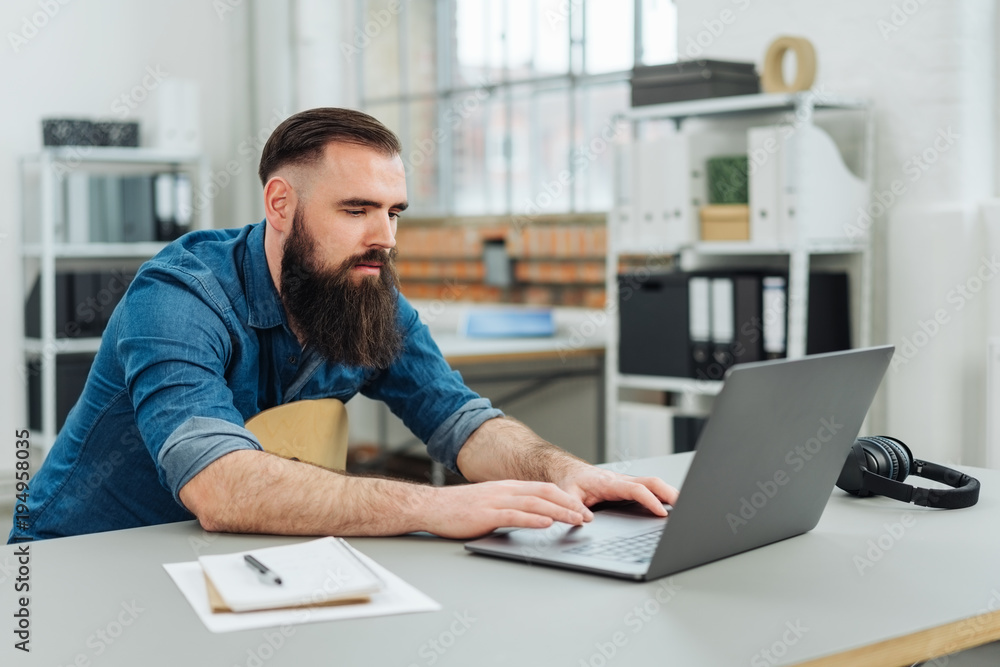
(763, 470)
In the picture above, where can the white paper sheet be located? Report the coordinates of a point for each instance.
(324, 569)
(397, 597)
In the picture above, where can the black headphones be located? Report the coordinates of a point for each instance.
(877, 465)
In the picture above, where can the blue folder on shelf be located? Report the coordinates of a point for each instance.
(507, 323)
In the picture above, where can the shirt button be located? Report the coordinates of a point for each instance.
(292, 359)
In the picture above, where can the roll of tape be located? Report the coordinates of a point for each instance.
(772, 80)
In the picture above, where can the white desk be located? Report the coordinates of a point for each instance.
(933, 590)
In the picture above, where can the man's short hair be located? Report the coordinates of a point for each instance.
(301, 138)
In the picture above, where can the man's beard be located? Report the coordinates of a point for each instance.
(346, 322)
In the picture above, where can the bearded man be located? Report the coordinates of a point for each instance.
(223, 324)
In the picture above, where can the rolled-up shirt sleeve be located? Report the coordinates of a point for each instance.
(174, 342)
(431, 398)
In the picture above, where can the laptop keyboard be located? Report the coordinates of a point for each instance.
(632, 549)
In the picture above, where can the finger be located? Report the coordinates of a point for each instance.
(558, 496)
(543, 507)
(632, 490)
(512, 518)
(665, 492)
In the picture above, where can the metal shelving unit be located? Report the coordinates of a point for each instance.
(43, 252)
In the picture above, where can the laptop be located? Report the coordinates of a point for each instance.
(763, 470)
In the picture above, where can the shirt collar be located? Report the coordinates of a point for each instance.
(263, 301)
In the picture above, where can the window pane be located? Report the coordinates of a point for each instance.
(421, 157)
(520, 19)
(389, 114)
(550, 183)
(551, 28)
(659, 31)
(520, 154)
(593, 155)
(379, 49)
(468, 120)
(478, 42)
(496, 156)
(609, 35)
(422, 45)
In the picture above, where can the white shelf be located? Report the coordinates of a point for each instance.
(673, 221)
(750, 248)
(741, 104)
(97, 250)
(115, 154)
(35, 346)
(50, 255)
(673, 384)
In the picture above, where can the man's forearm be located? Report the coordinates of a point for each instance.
(504, 448)
(256, 492)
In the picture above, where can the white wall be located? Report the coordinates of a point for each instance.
(84, 57)
(928, 65)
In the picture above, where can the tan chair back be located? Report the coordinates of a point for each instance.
(314, 431)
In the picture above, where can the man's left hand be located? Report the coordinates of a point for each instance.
(593, 485)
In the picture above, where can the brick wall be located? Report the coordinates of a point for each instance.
(555, 261)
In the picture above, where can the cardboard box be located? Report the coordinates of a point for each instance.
(725, 222)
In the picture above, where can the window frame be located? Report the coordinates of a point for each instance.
(503, 91)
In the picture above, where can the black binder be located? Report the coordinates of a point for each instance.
(659, 331)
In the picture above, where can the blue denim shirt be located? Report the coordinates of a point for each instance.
(199, 344)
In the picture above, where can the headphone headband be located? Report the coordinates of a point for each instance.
(879, 464)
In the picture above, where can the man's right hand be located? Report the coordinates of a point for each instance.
(473, 510)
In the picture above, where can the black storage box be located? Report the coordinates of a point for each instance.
(67, 132)
(114, 133)
(76, 132)
(653, 324)
(692, 80)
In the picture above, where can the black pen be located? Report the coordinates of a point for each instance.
(266, 575)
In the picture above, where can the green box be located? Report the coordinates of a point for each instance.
(727, 179)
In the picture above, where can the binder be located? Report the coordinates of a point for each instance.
(165, 207)
(763, 159)
(137, 209)
(184, 207)
(747, 309)
(662, 194)
(77, 207)
(799, 174)
(774, 295)
(828, 319)
(828, 322)
(723, 326)
(700, 326)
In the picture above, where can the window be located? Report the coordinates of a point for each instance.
(505, 106)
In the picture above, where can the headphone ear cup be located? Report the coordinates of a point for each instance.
(851, 475)
(882, 459)
(901, 455)
(904, 454)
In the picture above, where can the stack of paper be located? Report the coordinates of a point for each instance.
(321, 580)
(320, 572)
